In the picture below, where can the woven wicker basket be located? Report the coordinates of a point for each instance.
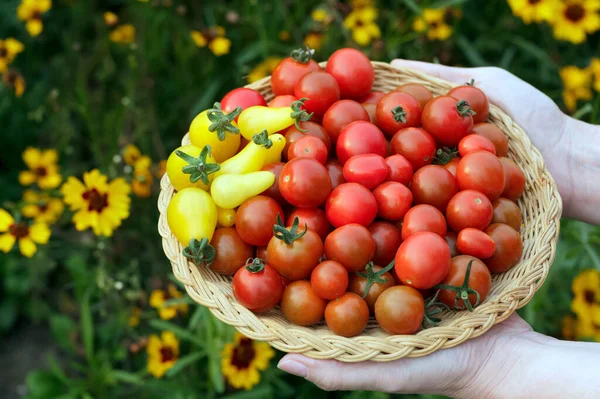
(541, 208)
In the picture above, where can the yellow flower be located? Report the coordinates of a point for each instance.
(219, 46)
(568, 327)
(99, 204)
(242, 360)
(167, 312)
(42, 168)
(314, 40)
(198, 38)
(142, 182)
(586, 291)
(41, 207)
(131, 154)
(263, 69)
(124, 34)
(362, 3)
(575, 19)
(214, 37)
(15, 81)
(589, 328)
(30, 12)
(134, 317)
(284, 35)
(534, 10)
(595, 68)
(577, 85)
(163, 352)
(110, 18)
(9, 49)
(161, 169)
(434, 23)
(321, 15)
(27, 235)
(362, 23)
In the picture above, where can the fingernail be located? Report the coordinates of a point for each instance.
(293, 367)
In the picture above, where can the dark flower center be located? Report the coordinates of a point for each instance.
(36, 15)
(10, 77)
(41, 171)
(166, 354)
(589, 296)
(449, 16)
(575, 12)
(43, 207)
(243, 354)
(19, 230)
(3, 52)
(96, 201)
(534, 2)
(434, 24)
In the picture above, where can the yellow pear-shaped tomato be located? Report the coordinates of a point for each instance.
(254, 120)
(223, 139)
(250, 159)
(225, 217)
(230, 191)
(191, 166)
(274, 153)
(192, 214)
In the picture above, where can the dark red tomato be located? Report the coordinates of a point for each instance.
(301, 305)
(321, 89)
(452, 165)
(291, 135)
(273, 191)
(400, 310)
(304, 182)
(310, 147)
(476, 243)
(371, 98)
(397, 110)
(296, 260)
(255, 218)
(261, 253)
(351, 203)
(481, 171)
(371, 110)
(393, 200)
(469, 208)
(423, 218)
(507, 212)
(358, 285)
(257, 286)
(282, 101)
(329, 279)
(514, 179)
(289, 71)
(348, 315)
(370, 170)
(342, 113)
(310, 129)
(495, 135)
(400, 169)
(387, 239)
(353, 72)
(314, 218)
(351, 245)
(451, 238)
(360, 137)
(415, 144)
(423, 260)
(509, 248)
(421, 93)
(336, 173)
(447, 120)
(241, 97)
(475, 142)
(433, 185)
(479, 279)
(476, 99)
(232, 251)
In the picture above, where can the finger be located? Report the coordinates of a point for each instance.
(453, 74)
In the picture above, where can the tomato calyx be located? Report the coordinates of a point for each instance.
(464, 109)
(445, 155)
(463, 291)
(433, 307)
(303, 55)
(300, 115)
(198, 168)
(255, 265)
(399, 114)
(222, 122)
(263, 139)
(200, 252)
(291, 235)
(374, 277)
(470, 83)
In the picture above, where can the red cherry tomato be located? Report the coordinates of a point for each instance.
(479, 279)
(370, 170)
(351, 203)
(261, 253)
(351, 245)
(241, 97)
(348, 315)
(329, 280)
(336, 173)
(495, 135)
(514, 179)
(476, 99)
(416, 145)
(340, 114)
(401, 170)
(371, 110)
(481, 171)
(447, 120)
(301, 305)
(387, 239)
(358, 285)
(400, 310)
(321, 89)
(314, 218)
(423, 218)
(433, 185)
(310, 147)
(423, 260)
(257, 286)
(353, 72)
(371, 98)
(310, 129)
(397, 110)
(304, 182)
(469, 208)
(255, 218)
(360, 137)
(509, 248)
(285, 100)
(475, 142)
(507, 212)
(476, 243)
(421, 93)
(273, 191)
(451, 238)
(452, 165)
(289, 71)
(393, 200)
(231, 251)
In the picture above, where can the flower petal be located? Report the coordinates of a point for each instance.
(40, 233)
(34, 27)
(31, 157)
(7, 241)
(72, 192)
(27, 247)
(6, 220)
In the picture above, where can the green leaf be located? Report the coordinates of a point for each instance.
(472, 54)
(43, 384)
(128, 377)
(62, 328)
(414, 7)
(259, 392)
(181, 333)
(87, 326)
(447, 3)
(8, 314)
(534, 50)
(208, 95)
(185, 361)
(215, 375)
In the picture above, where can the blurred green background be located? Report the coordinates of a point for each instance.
(87, 316)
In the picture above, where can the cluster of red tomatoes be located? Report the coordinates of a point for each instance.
(385, 199)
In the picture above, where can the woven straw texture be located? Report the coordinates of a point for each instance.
(541, 208)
